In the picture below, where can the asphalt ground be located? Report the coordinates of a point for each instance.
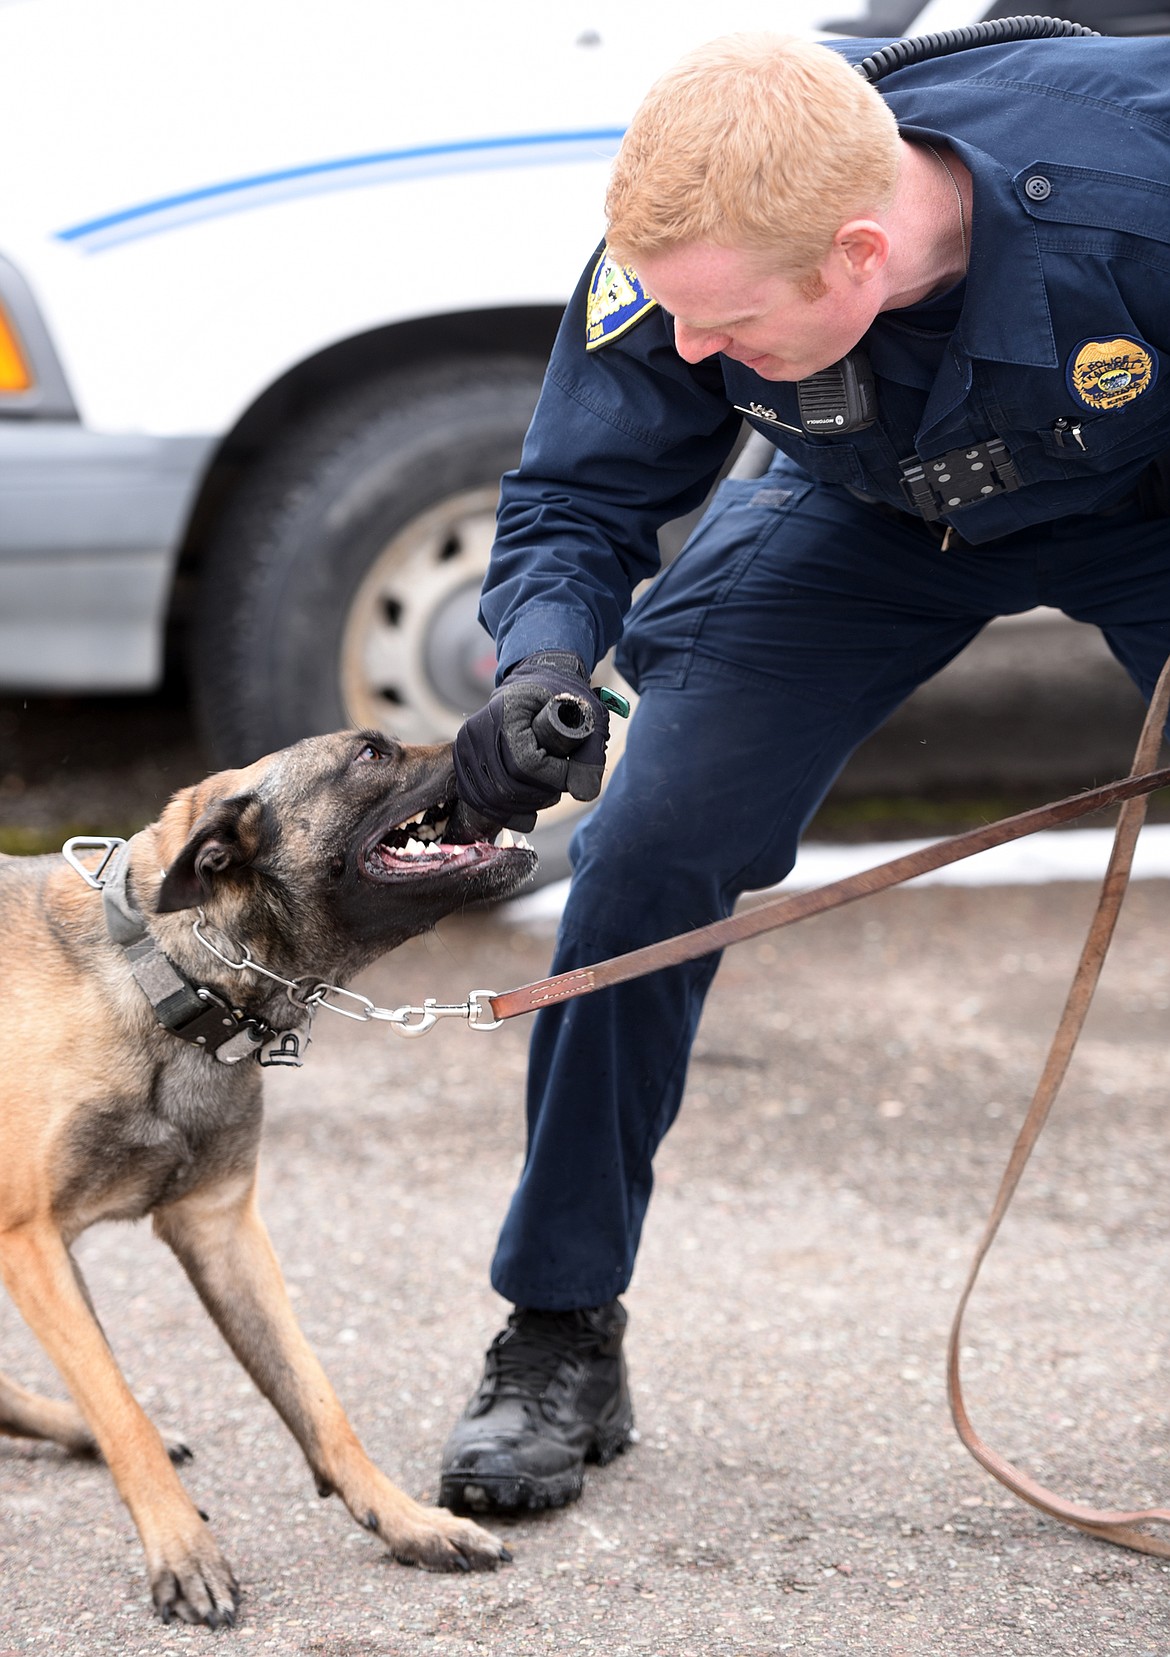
(797, 1485)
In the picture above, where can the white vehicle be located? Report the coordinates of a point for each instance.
(277, 283)
(278, 279)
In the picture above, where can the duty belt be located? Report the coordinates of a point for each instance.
(930, 481)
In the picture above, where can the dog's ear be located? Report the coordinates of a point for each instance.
(225, 837)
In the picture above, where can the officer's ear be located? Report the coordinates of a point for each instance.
(862, 249)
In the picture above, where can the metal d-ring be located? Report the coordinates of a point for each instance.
(109, 843)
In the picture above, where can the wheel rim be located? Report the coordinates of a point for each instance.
(415, 610)
(415, 660)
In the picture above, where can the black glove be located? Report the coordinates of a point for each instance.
(505, 770)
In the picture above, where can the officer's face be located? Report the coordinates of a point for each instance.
(723, 301)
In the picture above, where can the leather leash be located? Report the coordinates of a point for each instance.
(1108, 1526)
(1132, 794)
(798, 906)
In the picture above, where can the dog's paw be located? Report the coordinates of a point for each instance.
(199, 1587)
(438, 1541)
(414, 1534)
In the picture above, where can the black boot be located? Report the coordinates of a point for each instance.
(553, 1396)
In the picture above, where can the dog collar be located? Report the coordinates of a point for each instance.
(193, 1012)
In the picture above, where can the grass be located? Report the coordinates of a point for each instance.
(23, 841)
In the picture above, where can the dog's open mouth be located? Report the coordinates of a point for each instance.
(424, 844)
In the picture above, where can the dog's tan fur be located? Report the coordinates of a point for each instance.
(106, 1115)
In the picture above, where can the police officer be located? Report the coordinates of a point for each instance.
(977, 250)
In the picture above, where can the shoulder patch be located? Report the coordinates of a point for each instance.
(616, 301)
(1105, 373)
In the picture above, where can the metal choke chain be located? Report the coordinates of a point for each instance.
(309, 993)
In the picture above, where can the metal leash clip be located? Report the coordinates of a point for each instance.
(416, 1021)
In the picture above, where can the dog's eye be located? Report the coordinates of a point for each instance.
(370, 754)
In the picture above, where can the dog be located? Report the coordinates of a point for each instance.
(140, 1006)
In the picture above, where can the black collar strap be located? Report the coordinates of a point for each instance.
(191, 1011)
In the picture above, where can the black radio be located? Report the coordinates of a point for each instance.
(837, 400)
(840, 399)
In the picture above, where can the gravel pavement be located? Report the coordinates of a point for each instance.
(797, 1486)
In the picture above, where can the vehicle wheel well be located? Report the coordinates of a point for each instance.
(313, 384)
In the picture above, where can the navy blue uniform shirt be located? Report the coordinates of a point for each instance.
(1061, 349)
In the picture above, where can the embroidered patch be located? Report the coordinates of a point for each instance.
(616, 301)
(1105, 373)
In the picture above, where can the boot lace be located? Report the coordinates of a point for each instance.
(528, 1357)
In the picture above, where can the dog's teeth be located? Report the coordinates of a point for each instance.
(504, 839)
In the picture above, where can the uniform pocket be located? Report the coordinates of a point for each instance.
(664, 625)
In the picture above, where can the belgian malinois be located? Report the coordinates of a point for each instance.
(309, 864)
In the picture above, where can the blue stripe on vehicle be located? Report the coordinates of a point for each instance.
(155, 218)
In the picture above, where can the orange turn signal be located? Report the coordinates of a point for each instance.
(14, 370)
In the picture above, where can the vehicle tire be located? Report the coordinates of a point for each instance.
(340, 587)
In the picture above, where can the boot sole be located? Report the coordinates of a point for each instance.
(472, 1493)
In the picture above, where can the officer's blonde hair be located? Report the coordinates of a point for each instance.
(760, 142)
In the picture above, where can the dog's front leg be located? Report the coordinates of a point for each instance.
(189, 1577)
(219, 1237)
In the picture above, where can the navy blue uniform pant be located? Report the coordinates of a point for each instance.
(795, 621)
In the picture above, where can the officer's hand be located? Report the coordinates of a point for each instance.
(502, 770)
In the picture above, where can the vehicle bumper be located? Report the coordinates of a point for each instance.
(90, 529)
